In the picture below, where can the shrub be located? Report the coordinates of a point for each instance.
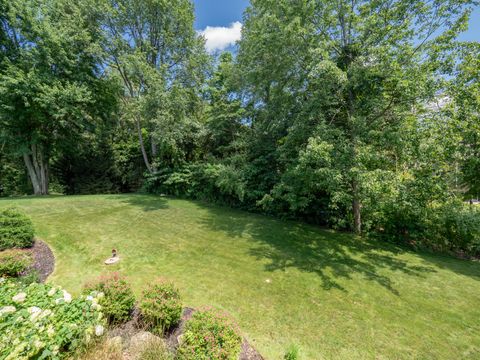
(457, 226)
(210, 334)
(40, 321)
(160, 306)
(13, 262)
(16, 230)
(32, 276)
(292, 352)
(118, 300)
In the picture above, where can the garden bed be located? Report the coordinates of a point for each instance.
(135, 328)
(43, 260)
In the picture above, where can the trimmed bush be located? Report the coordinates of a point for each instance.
(13, 262)
(39, 321)
(118, 299)
(16, 230)
(210, 334)
(160, 306)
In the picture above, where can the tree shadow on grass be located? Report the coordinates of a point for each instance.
(145, 202)
(330, 255)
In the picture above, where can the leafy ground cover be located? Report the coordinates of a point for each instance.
(333, 295)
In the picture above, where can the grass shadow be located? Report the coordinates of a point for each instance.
(146, 202)
(330, 255)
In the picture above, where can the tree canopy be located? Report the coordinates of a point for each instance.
(358, 115)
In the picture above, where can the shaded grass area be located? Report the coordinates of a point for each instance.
(334, 295)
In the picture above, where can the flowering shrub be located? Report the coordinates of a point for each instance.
(210, 334)
(160, 306)
(16, 230)
(44, 322)
(14, 261)
(119, 300)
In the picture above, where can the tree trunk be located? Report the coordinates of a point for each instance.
(142, 146)
(37, 167)
(154, 153)
(356, 209)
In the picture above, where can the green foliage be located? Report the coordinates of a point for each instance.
(16, 230)
(292, 353)
(160, 305)
(213, 182)
(210, 334)
(41, 321)
(50, 90)
(457, 227)
(117, 300)
(32, 276)
(13, 262)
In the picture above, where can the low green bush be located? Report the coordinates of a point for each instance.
(118, 299)
(459, 228)
(13, 262)
(16, 230)
(450, 226)
(160, 306)
(210, 334)
(39, 321)
(292, 353)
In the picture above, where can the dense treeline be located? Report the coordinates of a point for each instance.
(358, 115)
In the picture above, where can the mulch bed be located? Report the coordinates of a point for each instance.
(43, 260)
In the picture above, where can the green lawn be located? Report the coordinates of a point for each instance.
(336, 296)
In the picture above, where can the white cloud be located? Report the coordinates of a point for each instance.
(220, 38)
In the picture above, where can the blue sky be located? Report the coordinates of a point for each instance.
(218, 12)
(221, 22)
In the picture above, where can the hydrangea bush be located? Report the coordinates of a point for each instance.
(45, 322)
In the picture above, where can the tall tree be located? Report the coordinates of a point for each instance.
(340, 79)
(49, 75)
(156, 52)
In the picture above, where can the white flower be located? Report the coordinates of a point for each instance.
(99, 330)
(67, 297)
(38, 344)
(20, 297)
(46, 313)
(34, 309)
(52, 292)
(35, 312)
(2, 280)
(100, 295)
(59, 300)
(89, 298)
(95, 306)
(7, 310)
(50, 331)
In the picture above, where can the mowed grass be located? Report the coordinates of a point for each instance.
(334, 295)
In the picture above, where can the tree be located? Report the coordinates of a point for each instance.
(225, 112)
(50, 71)
(463, 112)
(162, 63)
(355, 69)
